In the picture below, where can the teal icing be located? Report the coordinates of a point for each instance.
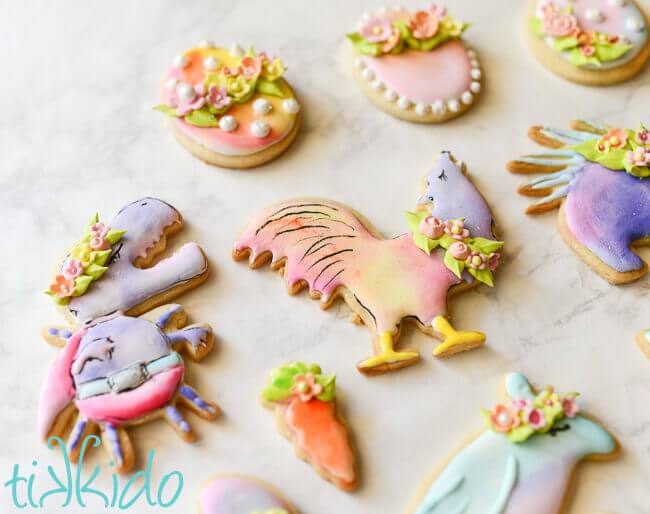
(508, 484)
(569, 136)
(647, 335)
(435, 496)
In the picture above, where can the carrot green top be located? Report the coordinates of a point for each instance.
(298, 378)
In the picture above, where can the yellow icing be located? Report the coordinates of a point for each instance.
(388, 354)
(452, 337)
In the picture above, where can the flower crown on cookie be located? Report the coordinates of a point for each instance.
(476, 255)
(620, 149)
(299, 379)
(85, 263)
(421, 30)
(204, 104)
(582, 47)
(524, 418)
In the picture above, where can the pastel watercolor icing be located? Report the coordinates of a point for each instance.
(622, 20)
(123, 285)
(240, 495)
(494, 475)
(232, 131)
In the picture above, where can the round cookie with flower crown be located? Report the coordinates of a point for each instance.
(591, 42)
(414, 64)
(230, 107)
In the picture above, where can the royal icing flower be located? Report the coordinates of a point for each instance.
(638, 157)
(584, 38)
(456, 229)
(459, 250)
(613, 38)
(82, 252)
(588, 50)
(520, 404)
(306, 387)
(570, 406)
(603, 146)
(431, 227)
(99, 243)
(273, 69)
(72, 268)
(535, 418)
(238, 87)
(98, 230)
(556, 24)
(376, 30)
(451, 26)
(251, 67)
(218, 96)
(617, 138)
(493, 260)
(547, 7)
(62, 287)
(476, 260)
(643, 137)
(437, 11)
(423, 25)
(504, 419)
(392, 41)
(196, 102)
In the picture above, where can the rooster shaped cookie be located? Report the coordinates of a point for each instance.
(602, 175)
(337, 253)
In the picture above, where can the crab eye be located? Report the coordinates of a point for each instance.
(431, 198)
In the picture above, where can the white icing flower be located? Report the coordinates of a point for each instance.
(421, 109)
(262, 106)
(403, 102)
(180, 61)
(390, 95)
(227, 123)
(236, 51)
(291, 106)
(211, 63)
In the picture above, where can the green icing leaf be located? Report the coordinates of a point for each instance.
(486, 246)
(101, 257)
(114, 235)
(364, 46)
(430, 44)
(611, 51)
(282, 379)
(454, 265)
(329, 387)
(483, 275)
(614, 159)
(535, 24)
(250, 52)
(169, 111)
(273, 393)
(201, 118)
(58, 301)
(520, 434)
(81, 284)
(636, 171)
(268, 87)
(580, 59)
(413, 219)
(565, 43)
(446, 240)
(95, 271)
(587, 149)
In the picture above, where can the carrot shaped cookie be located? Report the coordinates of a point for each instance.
(306, 413)
(643, 340)
(524, 462)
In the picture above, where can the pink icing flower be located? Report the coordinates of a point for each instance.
(218, 96)
(557, 24)
(638, 157)
(570, 406)
(493, 260)
(535, 418)
(476, 260)
(437, 11)
(186, 107)
(504, 419)
(456, 229)
(251, 67)
(613, 38)
(306, 387)
(617, 138)
(99, 243)
(520, 404)
(547, 7)
(584, 38)
(62, 287)
(459, 250)
(98, 230)
(72, 268)
(588, 50)
(423, 25)
(392, 41)
(643, 137)
(376, 30)
(431, 227)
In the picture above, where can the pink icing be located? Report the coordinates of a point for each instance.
(237, 495)
(613, 22)
(441, 74)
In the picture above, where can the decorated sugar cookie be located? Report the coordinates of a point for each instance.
(592, 42)
(110, 268)
(414, 65)
(239, 494)
(333, 250)
(306, 413)
(230, 107)
(119, 371)
(643, 340)
(524, 461)
(599, 178)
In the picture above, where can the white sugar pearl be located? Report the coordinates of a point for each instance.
(594, 15)
(180, 61)
(503, 418)
(368, 74)
(475, 87)
(227, 123)
(291, 106)
(207, 43)
(390, 95)
(360, 62)
(471, 54)
(617, 3)
(377, 85)
(438, 107)
(172, 84)
(476, 74)
(474, 63)
(260, 128)
(403, 102)
(187, 92)
(634, 24)
(454, 105)
(236, 51)
(467, 98)
(211, 63)
(421, 109)
(262, 106)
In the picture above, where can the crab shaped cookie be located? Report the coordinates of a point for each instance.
(121, 371)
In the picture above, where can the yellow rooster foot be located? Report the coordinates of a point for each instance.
(388, 359)
(455, 342)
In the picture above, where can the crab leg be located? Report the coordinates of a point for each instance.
(197, 404)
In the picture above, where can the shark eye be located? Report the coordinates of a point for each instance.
(431, 198)
(443, 176)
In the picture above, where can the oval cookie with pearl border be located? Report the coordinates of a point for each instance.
(414, 66)
(591, 42)
(230, 107)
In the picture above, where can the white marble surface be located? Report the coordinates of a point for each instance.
(77, 134)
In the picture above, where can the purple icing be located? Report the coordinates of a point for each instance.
(191, 395)
(52, 331)
(606, 211)
(164, 318)
(114, 438)
(175, 416)
(77, 431)
(65, 334)
(195, 335)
